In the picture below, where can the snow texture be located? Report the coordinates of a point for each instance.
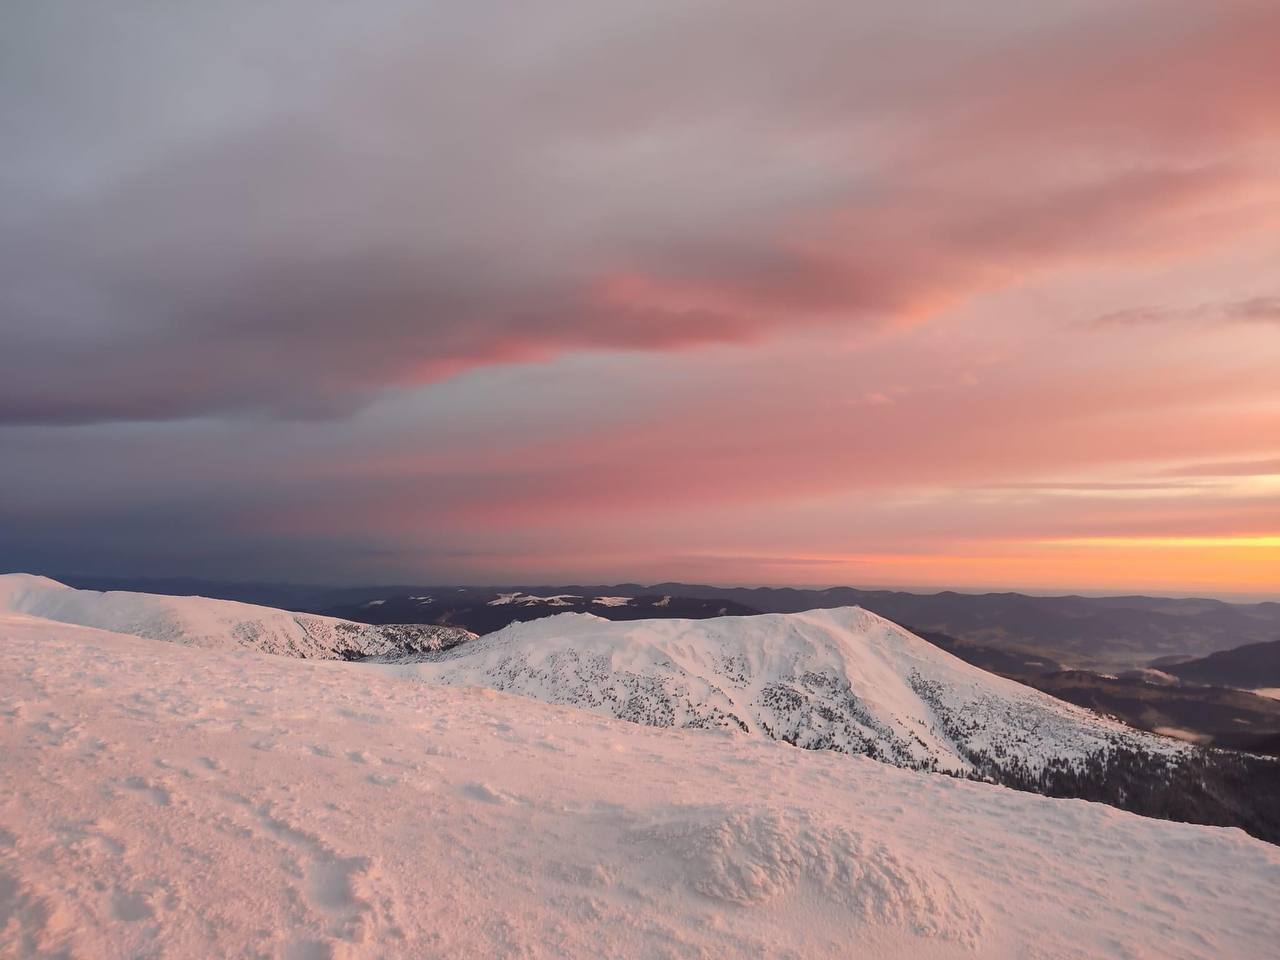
(219, 624)
(842, 679)
(529, 599)
(172, 802)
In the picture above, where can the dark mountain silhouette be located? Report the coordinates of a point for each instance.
(1251, 666)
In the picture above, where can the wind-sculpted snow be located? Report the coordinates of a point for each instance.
(842, 679)
(165, 801)
(754, 857)
(219, 624)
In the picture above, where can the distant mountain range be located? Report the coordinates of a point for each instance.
(488, 611)
(1156, 663)
(1251, 666)
(1213, 715)
(1106, 633)
(1195, 700)
(1080, 631)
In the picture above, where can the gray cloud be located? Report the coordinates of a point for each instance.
(247, 249)
(285, 210)
(1263, 309)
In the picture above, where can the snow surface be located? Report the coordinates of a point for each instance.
(218, 624)
(842, 679)
(612, 601)
(162, 801)
(529, 599)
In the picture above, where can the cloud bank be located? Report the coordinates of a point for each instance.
(289, 211)
(806, 292)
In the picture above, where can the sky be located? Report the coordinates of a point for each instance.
(976, 294)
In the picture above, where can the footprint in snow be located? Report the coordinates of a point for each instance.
(130, 907)
(485, 793)
(157, 795)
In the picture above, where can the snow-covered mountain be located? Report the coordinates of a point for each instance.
(219, 624)
(484, 610)
(842, 679)
(162, 801)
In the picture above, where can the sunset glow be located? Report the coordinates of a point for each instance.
(1194, 543)
(983, 299)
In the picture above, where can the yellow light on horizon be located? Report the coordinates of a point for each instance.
(1272, 542)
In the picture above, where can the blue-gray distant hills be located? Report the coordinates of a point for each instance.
(1251, 666)
(1107, 633)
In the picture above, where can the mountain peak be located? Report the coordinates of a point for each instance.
(843, 679)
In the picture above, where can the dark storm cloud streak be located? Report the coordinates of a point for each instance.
(1263, 309)
(421, 206)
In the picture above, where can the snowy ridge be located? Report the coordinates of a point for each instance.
(841, 679)
(557, 600)
(219, 624)
(177, 802)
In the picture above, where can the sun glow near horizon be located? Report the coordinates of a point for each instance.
(984, 296)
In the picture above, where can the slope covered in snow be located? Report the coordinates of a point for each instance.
(218, 624)
(483, 610)
(167, 802)
(841, 679)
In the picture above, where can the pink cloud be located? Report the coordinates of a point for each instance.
(374, 250)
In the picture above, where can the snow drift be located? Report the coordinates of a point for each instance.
(842, 679)
(218, 624)
(175, 802)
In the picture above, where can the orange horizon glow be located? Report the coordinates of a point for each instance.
(1252, 569)
(984, 297)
